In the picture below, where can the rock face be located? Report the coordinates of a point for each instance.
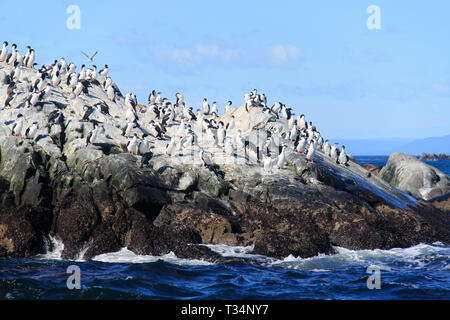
(415, 177)
(98, 198)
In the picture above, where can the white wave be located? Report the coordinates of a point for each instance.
(126, 256)
(81, 254)
(233, 251)
(415, 257)
(54, 248)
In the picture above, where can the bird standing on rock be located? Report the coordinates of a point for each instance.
(282, 158)
(170, 148)
(31, 131)
(205, 106)
(300, 146)
(17, 126)
(343, 159)
(4, 52)
(92, 136)
(326, 147)
(111, 93)
(311, 153)
(132, 145)
(333, 152)
(104, 72)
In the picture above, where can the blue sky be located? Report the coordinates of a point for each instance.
(318, 57)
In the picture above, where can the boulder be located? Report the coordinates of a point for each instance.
(415, 177)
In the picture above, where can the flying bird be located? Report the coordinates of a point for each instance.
(91, 58)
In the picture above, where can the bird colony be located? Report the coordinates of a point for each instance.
(50, 104)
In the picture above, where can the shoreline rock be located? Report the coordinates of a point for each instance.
(434, 156)
(415, 177)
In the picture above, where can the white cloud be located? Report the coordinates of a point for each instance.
(278, 55)
(207, 50)
(281, 55)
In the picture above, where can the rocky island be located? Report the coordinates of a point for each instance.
(434, 156)
(100, 172)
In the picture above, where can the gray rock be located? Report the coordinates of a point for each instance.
(415, 177)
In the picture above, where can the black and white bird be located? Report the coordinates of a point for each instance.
(276, 108)
(82, 74)
(72, 81)
(268, 163)
(127, 130)
(144, 146)
(326, 147)
(111, 93)
(170, 148)
(282, 157)
(31, 131)
(158, 98)
(35, 98)
(72, 68)
(201, 156)
(300, 146)
(78, 89)
(87, 113)
(228, 147)
(179, 98)
(155, 130)
(104, 72)
(228, 106)
(132, 145)
(107, 83)
(231, 124)
(56, 80)
(40, 83)
(221, 133)
(93, 135)
(343, 158)
(30, 59)
(17, 127)
(94, 73)
(103, 107)
(130, 115)
(56, 117)
(205, 105)
(9, 93)
(333, 152)
(311, 153)
(189, 115)
(4, 52)
(12, 56)
(63, 64)
(26, 56)
(214, 108)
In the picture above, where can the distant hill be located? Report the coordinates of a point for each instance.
(427, 145)
(387, 146)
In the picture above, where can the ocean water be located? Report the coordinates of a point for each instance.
(418, 272)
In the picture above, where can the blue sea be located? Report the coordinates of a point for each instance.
(418, 272)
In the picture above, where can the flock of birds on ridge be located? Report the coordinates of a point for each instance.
(305, 136)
